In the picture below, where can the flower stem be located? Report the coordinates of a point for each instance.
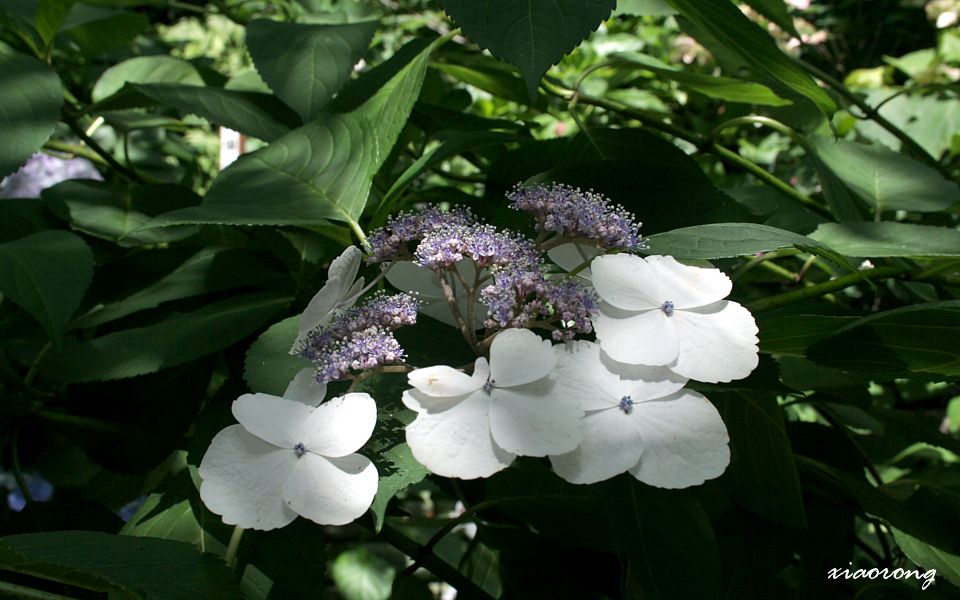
(231, 556)
(704, 144)
(821, 289)
(874, 115)
(17, 470)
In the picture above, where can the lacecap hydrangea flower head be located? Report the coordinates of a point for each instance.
(583, 348)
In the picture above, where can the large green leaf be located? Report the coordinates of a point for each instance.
(885, 179)
(776, 11)
(30, 99)
(945, 564)
(867, 239)
(175, 340)
(210, 270)
(921, 338)
(269, 367)
(735, 31)
(145, 69)
(721, 88)
(791, 335)
(115, 212)
(258, 115)
(47, 274)
(305, 65)
(531, 35)
(320, 172)
(137, 567)
(724, 240)
(107, 33)
(50, 17)
(919, 508)
(761, 464)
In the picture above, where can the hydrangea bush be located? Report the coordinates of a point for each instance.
(380, 265)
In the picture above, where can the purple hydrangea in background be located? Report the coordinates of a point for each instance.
(43, 171)
(129, 509)
(360, 338)
(570, 212)
(390, 242)
(40, 489)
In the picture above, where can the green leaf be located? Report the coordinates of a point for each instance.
(658, 527)
(762, 468)
(258, 115)
(114, 212)
(30, 99)
(726, 240)
(920, 338)
(305, 65)
(319, 172)
(775, 11)
(642, 8)
(449, 147)
(792, 335)
(721, 88)
(919, 513)
(531, 35)
(360, 575)
(107, 33)
(145, 69)
(735, 31)
(111, 563)
(210, 270)
(867, 239)
(269, 367)
(402, 470)
(50, 17)
(177, 339)
(945, 564)
(885, 179)
(47, 274)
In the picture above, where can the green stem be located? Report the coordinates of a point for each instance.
(872, 114)
(358, 232)
(231, 556)
(821, 289)
(771, 180)
(74, 150)
(35, 367)
(97, 148)
(12, 590)
(466, 588)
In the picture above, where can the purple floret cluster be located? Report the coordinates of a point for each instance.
(360, 338)
(391, 242)
(43, 171)
(445, 246)
(518, 298)
(570, 212)
(366, 349)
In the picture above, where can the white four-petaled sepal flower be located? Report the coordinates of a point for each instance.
(286, 458)
(473, 426)
(339, 293)
(656, 311)
(641, 421)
